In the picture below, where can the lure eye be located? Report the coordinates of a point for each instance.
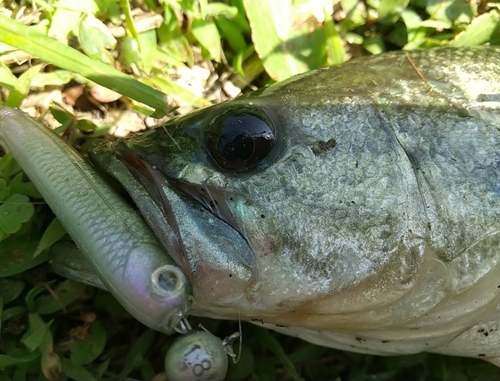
(167, 281)
(239, 140)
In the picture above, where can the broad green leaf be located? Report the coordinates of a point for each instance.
(202, 6)
(389, 10)
(349, 6)
(480, 30)
(95, 39)
(112, 10)
(135, 357)
(23, 86)
(35, 336)
(436, 24)
(129, 51)
(54, 78)
(375, 45)
(239, 18)
(454, 11)
(63, 22)
(207, 34)
(336, 53)
(85, 125)
(176, 52)
(9, 313)
(139, 52)
(353, 38)
(54, 232)
(15, 211)
(415, 28)
(4, 189)
(7, 79)
(17, 185)
(8, 166)
(10, 82)
(16, 255)
(87, 350)
(82, 6)
(220, 9)
(33, 294)
(62, 116)
(64, 294)
(230, 31)
(285, 45)
(356, 14)
(22, 357)
(10, 289)
(19, 375)
(271, 28)
(76, 372)
(102, 368)
(148, 44)
(171, 87)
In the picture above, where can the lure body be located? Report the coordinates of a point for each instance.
(122, 251)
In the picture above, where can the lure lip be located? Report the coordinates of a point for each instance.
(114, 238)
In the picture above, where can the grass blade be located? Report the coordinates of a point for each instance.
(270, 342)
(49, 50)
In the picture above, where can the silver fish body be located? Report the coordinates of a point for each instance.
(357, 207)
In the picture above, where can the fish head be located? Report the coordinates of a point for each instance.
(287, 205)
(298, 204)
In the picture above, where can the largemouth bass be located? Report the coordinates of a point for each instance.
(356, 207)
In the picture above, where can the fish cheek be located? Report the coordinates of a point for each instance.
(216, 284)
(220, 260)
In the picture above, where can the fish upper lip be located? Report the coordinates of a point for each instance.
(208, 196)
(142, 170)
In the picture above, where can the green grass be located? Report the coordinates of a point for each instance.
(58, 329)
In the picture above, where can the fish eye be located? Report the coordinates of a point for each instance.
(239, 139)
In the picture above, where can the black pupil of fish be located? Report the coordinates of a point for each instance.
(240, 140)
(235, 145)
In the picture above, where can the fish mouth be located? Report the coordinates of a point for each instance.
(209, 196)
(211, 251)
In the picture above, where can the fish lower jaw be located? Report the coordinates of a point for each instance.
(405, 325)
(480, 340)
